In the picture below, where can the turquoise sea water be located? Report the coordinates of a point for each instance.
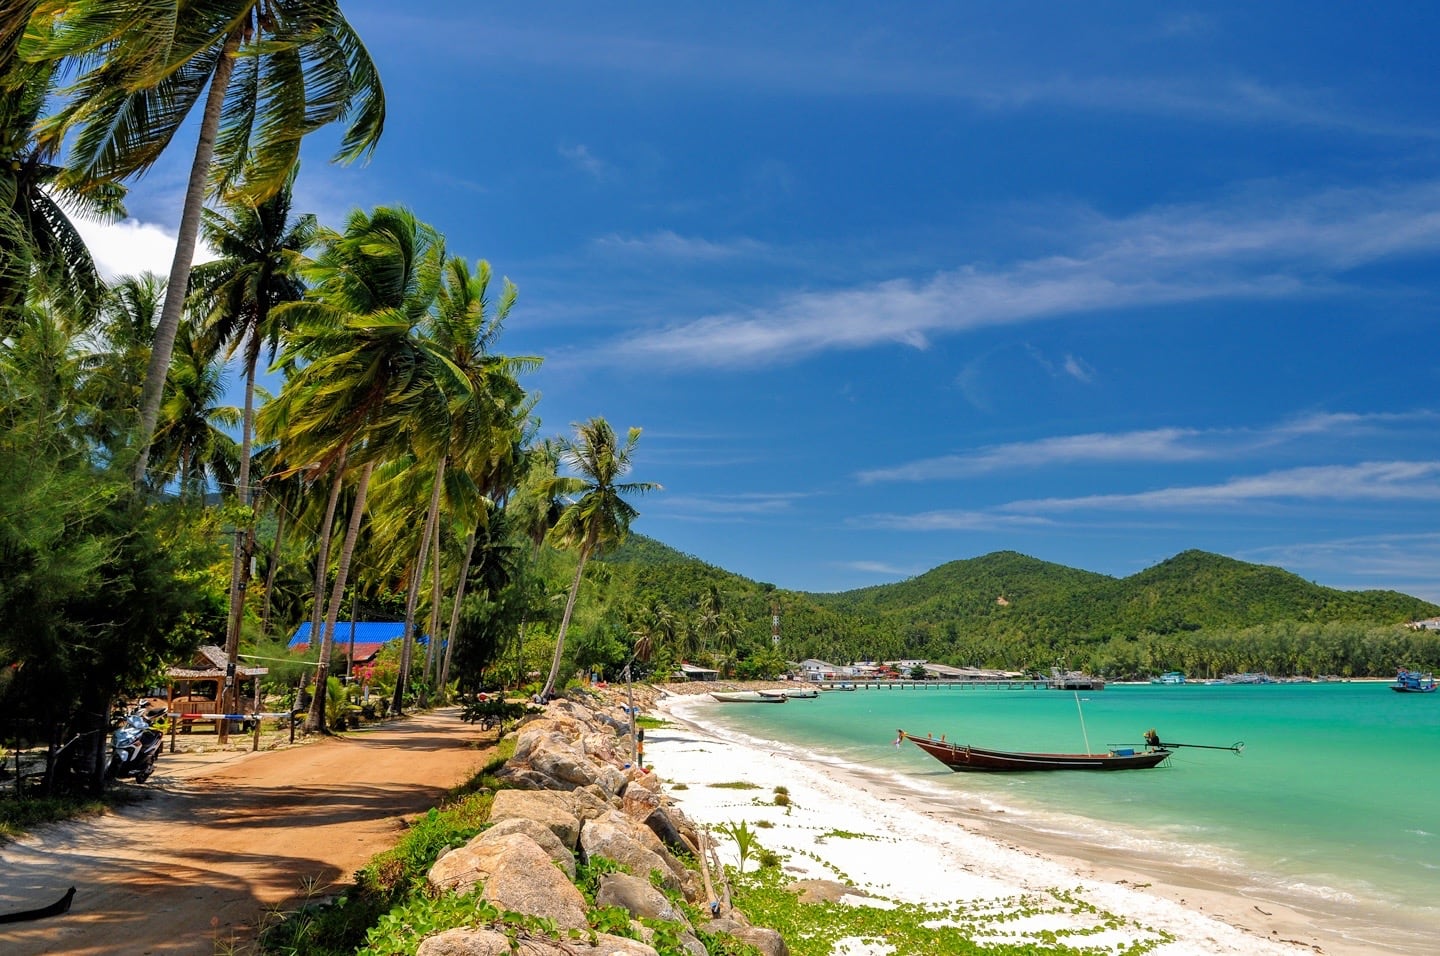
(1336, 798)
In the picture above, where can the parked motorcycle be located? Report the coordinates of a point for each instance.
(135, 745)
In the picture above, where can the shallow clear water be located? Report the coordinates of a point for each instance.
(1337, 794)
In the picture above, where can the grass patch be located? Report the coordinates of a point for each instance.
(650, 723)
(737, 785)
(845, 835)
(816, 929)
(19, 815)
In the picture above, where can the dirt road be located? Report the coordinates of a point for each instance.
(223, 837)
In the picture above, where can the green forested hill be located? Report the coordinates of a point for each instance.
(1195, 590)
(1197, 611)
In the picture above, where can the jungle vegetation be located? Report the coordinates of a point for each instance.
(399, 471)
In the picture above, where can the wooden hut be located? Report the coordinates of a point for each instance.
(196, 689)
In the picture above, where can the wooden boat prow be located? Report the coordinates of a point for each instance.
(963, 757)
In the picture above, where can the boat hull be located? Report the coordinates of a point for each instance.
(962, 758)
(748, 697)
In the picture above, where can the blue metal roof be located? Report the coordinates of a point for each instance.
(366, 632)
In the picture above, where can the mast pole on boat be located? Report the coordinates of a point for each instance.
(1083, 732)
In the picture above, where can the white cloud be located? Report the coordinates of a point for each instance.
(878, 567)
(1369, 481)
(949, 521)
(130, 247)
(585, 161)
(1249, 248)
(1161, 444)
(1157, 445)
(721, 506)
(1078, 369)
(671, 245)
(1409, 563)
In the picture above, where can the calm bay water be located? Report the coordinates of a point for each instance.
(1336, 797)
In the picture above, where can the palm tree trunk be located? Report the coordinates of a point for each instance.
(240, 565)
(316, 721)
(322, 559)
(565, 626)
(412, 596)
(455, 610)
(272, 570)
(432, 650)
(185, 241)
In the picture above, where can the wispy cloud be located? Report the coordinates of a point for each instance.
(820, 59)
(1156, 445)
(878, 567)
(1409, 563)
(1389, 481)
(1249, 248)
(1394, 481)
(1150, 446)
(671, 245)
(588, 163)
(942, 520)
(716, 507)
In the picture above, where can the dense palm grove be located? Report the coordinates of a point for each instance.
(399, 471)
(134, 526)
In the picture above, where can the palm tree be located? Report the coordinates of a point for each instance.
(364, 371)
(191, 444)
(261, 253)
(38, 243)
(113, 371)
(269, 72)
(600, 516)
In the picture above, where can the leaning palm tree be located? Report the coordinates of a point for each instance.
(260, 252)
(39, 246)
(598, 516)
(268, 72)
(363, 369)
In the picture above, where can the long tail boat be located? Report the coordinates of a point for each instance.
(748, 697)
(962, 757)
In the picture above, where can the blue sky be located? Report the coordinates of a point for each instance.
(888, 286)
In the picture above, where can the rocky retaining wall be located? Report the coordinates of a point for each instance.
(575, 796)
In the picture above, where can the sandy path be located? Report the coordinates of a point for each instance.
(224, 836)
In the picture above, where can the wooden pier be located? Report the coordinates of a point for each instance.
(863, 684)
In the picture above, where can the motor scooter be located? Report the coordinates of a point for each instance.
(135, 745)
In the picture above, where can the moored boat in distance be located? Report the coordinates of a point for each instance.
(1073, 680)
(963, 757)
(749, 697)
(799, 693)
(1169, 677)
(1413, 682)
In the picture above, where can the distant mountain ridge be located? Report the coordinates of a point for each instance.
(1191, 591)
(1004, 594)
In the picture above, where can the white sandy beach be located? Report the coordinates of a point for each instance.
(921, 854)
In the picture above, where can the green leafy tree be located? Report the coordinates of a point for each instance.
(260, 252)
(268, 72)
(363, 367)
(598, 516)
(40, 248)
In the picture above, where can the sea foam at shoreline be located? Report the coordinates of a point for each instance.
(907, 843)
